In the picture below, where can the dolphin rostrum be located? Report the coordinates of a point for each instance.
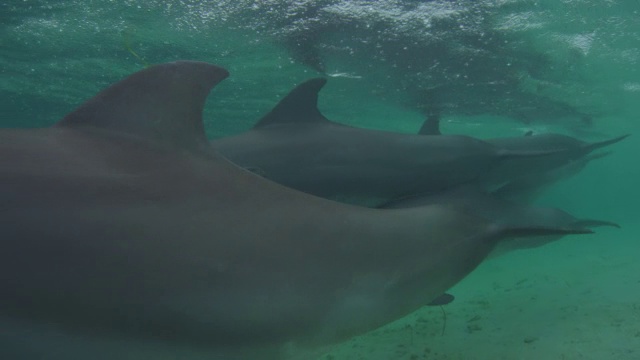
(295, 145)
(121, 223)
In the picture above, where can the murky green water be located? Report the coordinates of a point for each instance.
(494, 68)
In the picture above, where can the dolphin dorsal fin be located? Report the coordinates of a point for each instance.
(299, 106)
(162, 103)
(431, 125)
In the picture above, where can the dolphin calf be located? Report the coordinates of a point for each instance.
(295, 145)
(120, 222)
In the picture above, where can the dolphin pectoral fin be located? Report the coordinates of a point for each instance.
(443, 299)
(299, 106)
(163, 103)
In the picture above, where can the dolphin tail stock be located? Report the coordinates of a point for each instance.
(596, 156)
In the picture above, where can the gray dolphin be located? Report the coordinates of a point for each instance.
(120, 222)
(295, 145)
(472, 199)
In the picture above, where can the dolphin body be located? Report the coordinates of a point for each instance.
(121, 223)
(295, 145)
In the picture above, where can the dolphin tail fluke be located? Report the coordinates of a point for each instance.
(509, 232)
(600, 144)
(589, 223)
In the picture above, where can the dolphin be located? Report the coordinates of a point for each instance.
(120, 222)
(472, 199)
(295, 145)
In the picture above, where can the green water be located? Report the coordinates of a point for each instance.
(576, 299)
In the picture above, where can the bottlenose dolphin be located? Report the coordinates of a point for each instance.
(295, 145)
(121, 222)
(472, 199)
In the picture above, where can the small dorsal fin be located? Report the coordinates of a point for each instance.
(431, 125)
(528, 133)
(163, 103)
(299, 106)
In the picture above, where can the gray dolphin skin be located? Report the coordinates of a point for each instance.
(567, 157)
(574, 155)
(529, 188)
(567, 147)
(121, 223)
(480, 203)
(295, 145)
(574, 147)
